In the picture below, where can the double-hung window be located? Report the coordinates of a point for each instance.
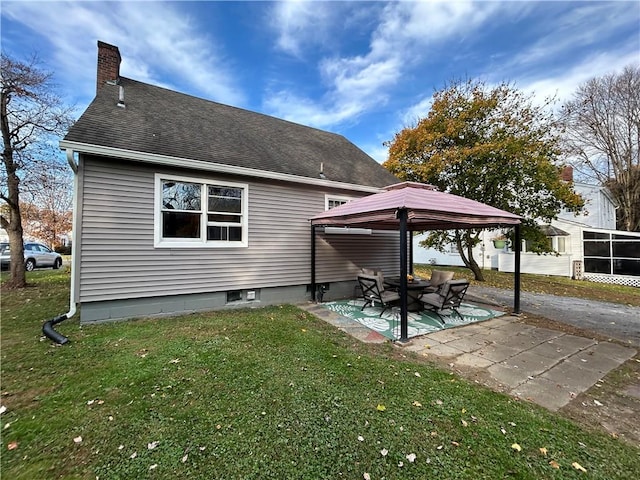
(194, 213)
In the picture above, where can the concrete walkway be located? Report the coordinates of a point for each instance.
(613, 320)
(545, 366)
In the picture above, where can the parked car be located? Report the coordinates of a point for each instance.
(36, 255)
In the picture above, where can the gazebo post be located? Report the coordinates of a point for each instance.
(410, 238)
(313, 263)
(516, 279)
(404, 327)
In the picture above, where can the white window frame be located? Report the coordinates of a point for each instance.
(335, 198)
(160, 242)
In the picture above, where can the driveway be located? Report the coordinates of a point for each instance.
(615, 321)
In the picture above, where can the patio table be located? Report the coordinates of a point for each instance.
(414, 290)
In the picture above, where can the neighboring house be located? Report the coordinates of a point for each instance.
(184, 204)
(586, 245)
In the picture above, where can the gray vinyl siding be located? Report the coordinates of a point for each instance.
(118, 259)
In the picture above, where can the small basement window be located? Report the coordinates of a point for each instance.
(234, 296)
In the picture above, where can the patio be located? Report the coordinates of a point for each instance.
(418, 323)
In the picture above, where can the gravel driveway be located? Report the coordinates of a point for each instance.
(620, 322)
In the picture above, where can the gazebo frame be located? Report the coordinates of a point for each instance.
(410, 207)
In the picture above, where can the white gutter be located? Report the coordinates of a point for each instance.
(207, 166)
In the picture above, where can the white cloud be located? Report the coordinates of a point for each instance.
(563, 85)
(299, 23)
(359, 83)
(153, 41)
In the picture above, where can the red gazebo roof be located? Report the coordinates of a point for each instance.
(427, 209)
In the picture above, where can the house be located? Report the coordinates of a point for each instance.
(184, 204)
(585, 245)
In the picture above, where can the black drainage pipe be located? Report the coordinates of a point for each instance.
(50, 333)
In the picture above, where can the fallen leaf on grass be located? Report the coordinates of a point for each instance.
(577, 466)
(554, 464)
(464, 423)
(384, 452)
(360, 438)
(184, 459)
(417, 374)
(78, 440)
(12, 446)
(175, 360)
(152, 445)
(543, 451)
(366, 476)
(416, 404)
(3, 409)
(381, 408)
(153, 467)
(597, 403)
(133, 455)
(516, 447)
(411, 457)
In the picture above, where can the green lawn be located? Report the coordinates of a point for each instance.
(553, 285)
(264, 393)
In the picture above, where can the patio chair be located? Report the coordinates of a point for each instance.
(438, 278)
(373, 292)
(448, 297)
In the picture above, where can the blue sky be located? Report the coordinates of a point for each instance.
(361, 69)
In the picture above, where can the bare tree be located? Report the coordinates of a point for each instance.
(31, 115)
(602, 124)
(49, 215)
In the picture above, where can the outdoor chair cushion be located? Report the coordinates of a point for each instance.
(377, 273)
(438, 278)
(449, 297)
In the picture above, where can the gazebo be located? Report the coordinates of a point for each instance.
(410, 207)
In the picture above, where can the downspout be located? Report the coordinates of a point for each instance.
(47, 328)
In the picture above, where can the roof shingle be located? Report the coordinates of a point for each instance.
(164, 122)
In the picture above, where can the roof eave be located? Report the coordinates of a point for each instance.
(165, 160)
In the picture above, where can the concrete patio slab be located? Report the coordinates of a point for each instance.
(472, 360)
(497, 353)
(548, 367)
(545, 392)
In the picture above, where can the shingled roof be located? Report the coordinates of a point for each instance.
(163, 122)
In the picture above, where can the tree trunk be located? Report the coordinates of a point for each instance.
(14, 230)
(467, 257)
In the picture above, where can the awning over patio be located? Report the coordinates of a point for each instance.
(411, 206)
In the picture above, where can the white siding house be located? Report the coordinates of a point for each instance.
(183, 204)
(611, 256)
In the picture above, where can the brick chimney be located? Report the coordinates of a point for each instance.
(108, 64)
(567, 173)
